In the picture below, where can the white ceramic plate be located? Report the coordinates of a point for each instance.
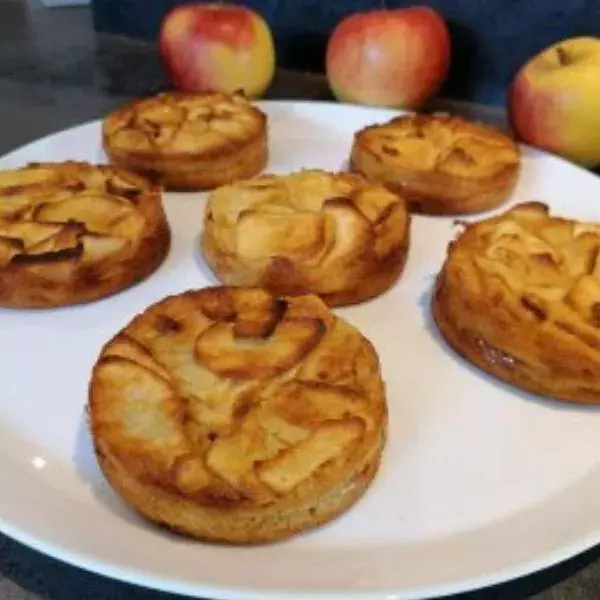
(480, 482)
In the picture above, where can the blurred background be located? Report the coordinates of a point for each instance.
(491, 38)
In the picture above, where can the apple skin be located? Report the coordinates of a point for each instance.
(553, 100)
(217, 47)
(394, 58)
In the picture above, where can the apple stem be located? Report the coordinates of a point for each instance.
(563, 57)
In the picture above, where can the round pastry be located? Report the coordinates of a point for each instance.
(442, 164)
(519, 296)
(74, 232)
(335, 235)
(188, 141)
(229, 414)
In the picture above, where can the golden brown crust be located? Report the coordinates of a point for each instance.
(335, 235)
(442, 164)
(519, 296)
(74, 232)
(230, 414)
(188, 141)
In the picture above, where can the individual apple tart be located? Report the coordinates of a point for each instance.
(230, 414)
(188, 141)
(519, 296)
(332, 234)
(442, 164)
(74, 232)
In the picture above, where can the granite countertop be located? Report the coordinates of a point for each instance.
(55, 73)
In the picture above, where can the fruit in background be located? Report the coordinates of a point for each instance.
(217, 47)
(553, 100)
(390, 57)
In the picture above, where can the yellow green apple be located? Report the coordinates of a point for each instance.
(388, 57)
(554, 100)
(217, 47)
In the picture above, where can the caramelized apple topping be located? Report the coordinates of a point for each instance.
(447, 144)
(551, 263)
(66, 211)
(225, 387)
(184, 123)
(312, 217)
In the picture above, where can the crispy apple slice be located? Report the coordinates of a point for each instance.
(139, 401)
(309, 306)
(232, 457)
(324, 364)
(119, 186)
(387, 230)
(374, 202)
(131, 139)
(125, 347)
(62, 243)
(513, 239)
(353, 232)
(63, 255)
(170, 337)
(259, 323)
(140, 415)
(98, 212)
(131, 226)
(584, 296)
(255, 312)
(29, 232)
(99, 247)
(196, 110)
(14, 205)
(292, 466)
(66, 237)
(265, 235)
(9, 248)
(309, 404)
(530, 212)
(160, 113)
(18, 180)
(187, 140)
(194, 128)
(232, 127)
(161, 135)
(220, 351)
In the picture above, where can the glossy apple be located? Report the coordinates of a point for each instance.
(217, 47)
(389, 57)
(554, 99)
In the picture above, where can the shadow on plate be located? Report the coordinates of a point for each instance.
(432, 329)
(200, 262)
(345, 166)
(88, 470)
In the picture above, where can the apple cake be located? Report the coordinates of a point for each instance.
(73, 232)
(230, 414)
(443, 164)
(519, 296)
(332, 234)
(187, 140)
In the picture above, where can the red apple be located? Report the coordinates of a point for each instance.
(553, 100)
(390, 57)
(217, 47)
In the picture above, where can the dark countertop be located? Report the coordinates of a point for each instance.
(55, 73)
